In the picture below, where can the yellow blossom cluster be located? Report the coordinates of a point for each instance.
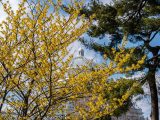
(36, 80)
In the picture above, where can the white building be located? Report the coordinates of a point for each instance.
(78, 61)
(132, 114)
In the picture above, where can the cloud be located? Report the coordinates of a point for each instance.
(14, 5)
(88, 54)
(106, 1)
(144, 104)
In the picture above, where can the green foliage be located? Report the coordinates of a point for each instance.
(127, 20)
(121, 87)
(131, 20)
(137, 18)
(105, 18)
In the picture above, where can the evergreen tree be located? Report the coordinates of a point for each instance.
(135, 21)
(36, 79)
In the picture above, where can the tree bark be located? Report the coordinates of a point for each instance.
(154, 95)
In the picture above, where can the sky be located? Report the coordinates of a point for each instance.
(90, 54)
(106, 1)
(14, 5)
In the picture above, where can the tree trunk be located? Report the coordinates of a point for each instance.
(154, 95)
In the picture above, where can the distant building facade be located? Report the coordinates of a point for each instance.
(132, 114)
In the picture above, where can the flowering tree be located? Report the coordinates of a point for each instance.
(34, 65)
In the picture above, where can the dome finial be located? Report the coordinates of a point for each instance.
(81, 52)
